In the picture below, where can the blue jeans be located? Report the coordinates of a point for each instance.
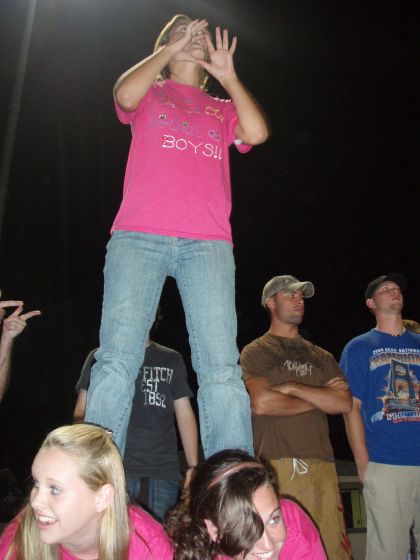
(136, 267)
(163, 494)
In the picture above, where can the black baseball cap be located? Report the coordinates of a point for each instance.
(399, 279)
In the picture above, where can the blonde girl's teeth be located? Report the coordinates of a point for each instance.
(45, 519)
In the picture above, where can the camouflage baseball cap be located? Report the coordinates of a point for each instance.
(286, 284)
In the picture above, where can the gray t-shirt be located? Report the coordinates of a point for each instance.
(151, 448)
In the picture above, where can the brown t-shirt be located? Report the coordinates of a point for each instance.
(283, 359)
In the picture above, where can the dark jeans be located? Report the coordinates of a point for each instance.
(163, 494)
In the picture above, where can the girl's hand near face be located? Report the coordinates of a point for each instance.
(185, 33)
(221, 64)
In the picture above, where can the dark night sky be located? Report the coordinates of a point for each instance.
(331, 197)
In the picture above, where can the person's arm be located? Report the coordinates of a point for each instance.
(12, 327)
(267, 400)
(133, 85)
(333, 398)
(6, 345)
(356, 435)
(82, 387)
(252, 127)
(80, 407)
(187, 426)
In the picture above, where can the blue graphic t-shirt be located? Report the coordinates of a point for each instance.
(384, 373)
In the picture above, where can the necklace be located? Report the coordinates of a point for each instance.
(399, 334)
(394, 335)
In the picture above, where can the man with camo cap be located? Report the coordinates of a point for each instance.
(293, 385)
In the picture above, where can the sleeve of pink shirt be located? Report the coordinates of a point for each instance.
(232, 120)
(6, 538)
(149, 540)
(123, 117)
(130, 118)
(303, 540)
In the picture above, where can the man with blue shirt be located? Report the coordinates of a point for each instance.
(383, 428)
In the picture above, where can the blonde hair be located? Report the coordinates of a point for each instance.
(99, 463)
(163, 40)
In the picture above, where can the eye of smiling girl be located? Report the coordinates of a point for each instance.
(275, 519)
(54, 490)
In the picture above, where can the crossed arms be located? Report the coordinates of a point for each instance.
(291, 398)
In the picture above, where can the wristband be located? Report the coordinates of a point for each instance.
(189, 467)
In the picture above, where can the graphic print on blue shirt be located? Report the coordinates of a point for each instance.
(401, 399)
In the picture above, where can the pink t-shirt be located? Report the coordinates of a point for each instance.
(148, 540)
(177, 180)
(303, 541)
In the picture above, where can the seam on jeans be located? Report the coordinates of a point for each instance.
(203, 413)
(187, 310)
